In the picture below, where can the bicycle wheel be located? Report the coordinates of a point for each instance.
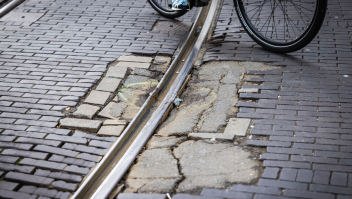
(281, 25)
(163, 7)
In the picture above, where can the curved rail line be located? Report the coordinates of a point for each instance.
(102, 180)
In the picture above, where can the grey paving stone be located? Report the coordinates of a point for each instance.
(119, 72)
(12, 194)
(270, 172)
(111, 130)
(15, 145)
(283, 184)
(83, 124)
(42, 164)
(77, 170)
(59, 175)
(8, 159)
(271, 156)
(8, 185)
(97, 97)
(248, 90)
(307, 194)
(108, 84)
(86, 111)
(38, 141)
(82, 148)
(330, 189)
(133, 65)
(321, 177)
(187, 196)
(304, 175)
(62, 185)
(55, 150)
(115, 122)
(256, 189)
(225, 194)
(28, 154)
(28, 178)
(268, 143)
(339, 179)
(89, 157)
(288, 174)
(100, 144)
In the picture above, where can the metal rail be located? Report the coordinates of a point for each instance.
(102, 180)
(9, 6)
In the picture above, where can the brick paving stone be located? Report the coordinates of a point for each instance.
(101, 144)
(339, 179)
(91, 136)
(307, 194)
(28, 178)
(321, 177)
(283, 184)
(62, 185)
(42, 164)
(29, 154)
(82, 148)
(12, 194)
(304, 175)
(314, 159)
(256, 189)
(8, 159)
(38, 141)
(8, 185)
(270, 172)
(330, 189)
(268, 143)
(270, 156)
(77, 170)
(67, 139)
(97, 97)
(225, 194)
(74, 161)
(288, 174)
(59, 175)
(89, 157)
(55, 150)
(299, 165)
(15, 145)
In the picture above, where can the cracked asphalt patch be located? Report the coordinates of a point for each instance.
(192, 164)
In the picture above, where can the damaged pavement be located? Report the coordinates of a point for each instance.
(201, 144)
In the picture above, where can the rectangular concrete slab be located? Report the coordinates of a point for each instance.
(108, 84)
(141, 196)
(237, 126)
(118, 72)
(135, 59)
(217, 136)
(82, 124)
(97, 97)
(133, 65)
(115, 122)
(111, 130)
(86, 111)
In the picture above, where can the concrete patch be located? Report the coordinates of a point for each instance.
(113, 110)
(216, 136)
(164, 142)
(237, 126)
(213, 165)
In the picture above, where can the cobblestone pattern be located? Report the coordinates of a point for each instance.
(303, 112)
(49, 65)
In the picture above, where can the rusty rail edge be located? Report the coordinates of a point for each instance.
(120, 167)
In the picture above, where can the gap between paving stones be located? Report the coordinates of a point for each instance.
(201, 143)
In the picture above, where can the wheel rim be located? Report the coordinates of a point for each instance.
(165, 5)
(280, 22)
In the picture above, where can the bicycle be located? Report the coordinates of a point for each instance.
(298, 20)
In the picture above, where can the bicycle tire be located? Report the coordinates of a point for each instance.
(165, 10)
(307, 30)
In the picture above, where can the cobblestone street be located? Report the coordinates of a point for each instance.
(63, 60)
(52, 54)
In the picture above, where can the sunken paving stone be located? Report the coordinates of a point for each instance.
(111, 130)
(108, 84)
(86, 111)
(119, 72)
(113, 110)
(237, 126)
(135, 59)
(82, 124)
(97, 97)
